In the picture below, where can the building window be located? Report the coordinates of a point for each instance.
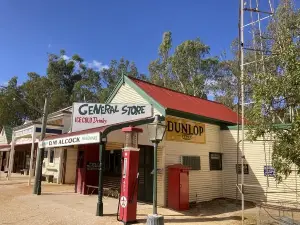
(51, 160)
(191, 161)
(46, 154)
(215, 161)
(239, 168)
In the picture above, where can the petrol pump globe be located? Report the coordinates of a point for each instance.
(131, 136)
(156, 130)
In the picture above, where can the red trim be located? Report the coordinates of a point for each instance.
(4, 146)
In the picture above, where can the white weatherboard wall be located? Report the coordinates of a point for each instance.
(70, 173)
(204, 184)
(52, 168)
(118, 136)
(257, 154)
(128, 95)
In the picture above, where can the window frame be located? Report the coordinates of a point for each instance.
(49, 156)
(221, 163)
(181, 159)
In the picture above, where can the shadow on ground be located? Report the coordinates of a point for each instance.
(216, 207)
(195, 220)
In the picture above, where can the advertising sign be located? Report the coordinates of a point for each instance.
(92, 115)
(24, 132)
(183, 130)
(239, 168)
(93, 166)
(71, 140)
(269, 171)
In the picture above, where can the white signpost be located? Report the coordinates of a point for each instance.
(92, 115)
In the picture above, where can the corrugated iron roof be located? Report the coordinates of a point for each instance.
(171, 99)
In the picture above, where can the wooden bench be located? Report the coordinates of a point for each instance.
(111, 187)
(50, 177)
(24, 171)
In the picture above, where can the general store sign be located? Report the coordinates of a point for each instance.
(73, 140)
(183, 130)
(92, 115)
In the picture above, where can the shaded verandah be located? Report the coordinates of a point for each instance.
(92, 136)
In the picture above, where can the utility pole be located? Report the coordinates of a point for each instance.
(40, 155)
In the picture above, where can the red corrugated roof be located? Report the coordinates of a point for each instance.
(4, 146)
(178, 101)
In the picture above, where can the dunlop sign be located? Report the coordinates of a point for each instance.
(183, 130)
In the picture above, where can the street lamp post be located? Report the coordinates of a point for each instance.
(156, 131)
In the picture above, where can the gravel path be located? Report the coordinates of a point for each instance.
(59, 205)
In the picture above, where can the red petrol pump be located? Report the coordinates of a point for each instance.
(129, 182)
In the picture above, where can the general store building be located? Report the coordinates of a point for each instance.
(201, 149)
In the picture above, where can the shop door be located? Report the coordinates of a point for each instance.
(80, 176)
(145, 189)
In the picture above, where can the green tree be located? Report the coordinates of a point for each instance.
(192, 68)
(188, 69)
(11, 108)
(160, 69)
(276, 90)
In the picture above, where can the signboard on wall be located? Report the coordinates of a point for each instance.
(183, 130)
(269, 171)
(239, 168)
(24, 132)
(71, 140)
(93, 166)
(92, 115)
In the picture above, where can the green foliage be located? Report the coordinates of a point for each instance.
(188, 70)
(11, 109)
(275, 90)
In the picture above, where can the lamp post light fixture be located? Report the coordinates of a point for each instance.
(156, 132)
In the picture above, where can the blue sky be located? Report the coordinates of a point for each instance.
(101, 30)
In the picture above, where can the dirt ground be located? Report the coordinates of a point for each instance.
(58, 204)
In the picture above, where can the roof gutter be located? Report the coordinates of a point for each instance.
(111, 128)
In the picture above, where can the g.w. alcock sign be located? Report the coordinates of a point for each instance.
(91, 115)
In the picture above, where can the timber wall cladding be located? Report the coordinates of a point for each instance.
(52, 168)
(127, 95)
(257, 154)
(71, 166)
(160, 176)
(204, 184)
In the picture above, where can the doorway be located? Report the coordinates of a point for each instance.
(80, 172)
(145, 190)
(112, 171)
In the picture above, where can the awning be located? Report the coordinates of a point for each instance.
(74, 138)
(5, 148)
(89, 136)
